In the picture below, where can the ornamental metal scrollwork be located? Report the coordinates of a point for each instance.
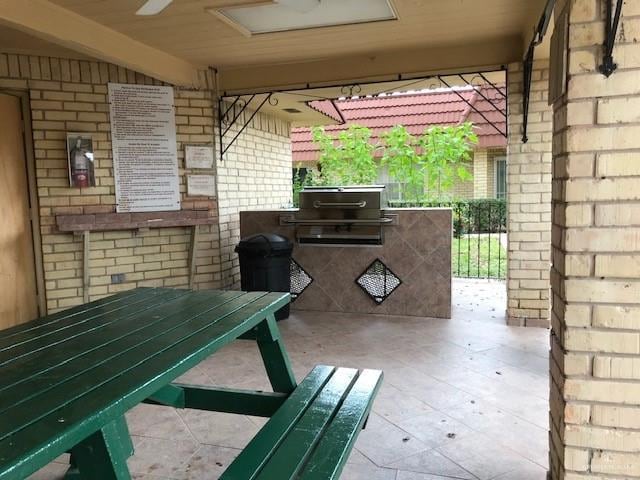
(351, 90)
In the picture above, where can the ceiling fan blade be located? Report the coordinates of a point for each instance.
(302, 6)
(153, 7)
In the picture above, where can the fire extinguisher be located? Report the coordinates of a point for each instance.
(80, 166)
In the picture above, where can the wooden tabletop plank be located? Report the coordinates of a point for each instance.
(55, 431)
(73, 338)
(12, 335)
(182, 325)
(50, 333)
(31, 364)
(25, 380)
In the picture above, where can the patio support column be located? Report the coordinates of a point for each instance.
(528, 199)
(595, 341)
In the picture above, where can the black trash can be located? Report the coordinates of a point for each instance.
(265, 260)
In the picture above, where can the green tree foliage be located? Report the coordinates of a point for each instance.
(347, 159)
(446, 152)
(298, 184)
(403, 162)
(310, 176)
(426, 167)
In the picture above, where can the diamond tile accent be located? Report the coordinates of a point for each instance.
(378, 281)
(300, 279)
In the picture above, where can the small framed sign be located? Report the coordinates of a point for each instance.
(198, 156)
(80, 160)
(201, 185)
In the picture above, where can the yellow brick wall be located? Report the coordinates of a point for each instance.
(482, 183)
(463, 189)
(481, 174)
(71, 96)
(255, 174)
(484, 172)
(529, 199)
(595, 278)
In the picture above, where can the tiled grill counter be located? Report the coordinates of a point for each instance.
(417, 250)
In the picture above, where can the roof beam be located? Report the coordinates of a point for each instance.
(407, 63)
(48, 21)
(530, 32)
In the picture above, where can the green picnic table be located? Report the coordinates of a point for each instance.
(67, 379)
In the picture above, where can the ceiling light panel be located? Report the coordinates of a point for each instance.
(153, 7)
(285, 15)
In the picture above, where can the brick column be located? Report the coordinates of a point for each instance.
(595, 365)
(528, 200)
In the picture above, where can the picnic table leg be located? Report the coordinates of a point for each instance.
(103, 455)
(274, 356)
(124, 437)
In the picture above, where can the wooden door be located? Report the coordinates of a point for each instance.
(18, 287)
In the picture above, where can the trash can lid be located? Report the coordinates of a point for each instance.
(264, 243)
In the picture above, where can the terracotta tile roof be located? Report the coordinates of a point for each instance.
(417, 112)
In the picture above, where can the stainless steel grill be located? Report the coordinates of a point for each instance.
(340, 216)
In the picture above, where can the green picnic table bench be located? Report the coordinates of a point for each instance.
(67, 379)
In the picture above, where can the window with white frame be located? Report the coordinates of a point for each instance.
(500, 177)
(393, 190)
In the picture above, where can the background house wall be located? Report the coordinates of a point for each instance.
(465, 188)
(71, 96)
(483, 169)
(484, 172)
(481, 174)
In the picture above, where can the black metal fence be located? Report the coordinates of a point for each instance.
(479, 248)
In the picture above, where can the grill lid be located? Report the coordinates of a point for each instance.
(349, 215)
(352, 202)
(348, 188)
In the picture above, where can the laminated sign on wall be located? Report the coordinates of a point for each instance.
(143, 136)
(198, 156)
(201, 185)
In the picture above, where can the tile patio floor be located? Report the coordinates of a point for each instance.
(464, 398)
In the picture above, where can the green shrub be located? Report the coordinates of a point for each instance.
(483, 215)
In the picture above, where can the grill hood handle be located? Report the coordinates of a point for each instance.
(319, 204)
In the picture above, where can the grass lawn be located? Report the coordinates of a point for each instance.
(467, 260)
